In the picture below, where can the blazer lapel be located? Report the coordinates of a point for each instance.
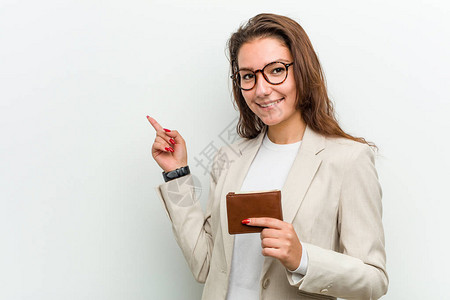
(299, 178)
(301, 173)
(246, 152)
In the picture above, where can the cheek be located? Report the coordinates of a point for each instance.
(247, 97)
(290, 85)
(291, 90)
(250, 104)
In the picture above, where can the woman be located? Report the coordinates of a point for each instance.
(331, 242)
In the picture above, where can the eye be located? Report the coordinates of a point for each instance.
(277, 70)
(247, 76)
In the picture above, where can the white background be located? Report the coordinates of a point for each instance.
(79, 217)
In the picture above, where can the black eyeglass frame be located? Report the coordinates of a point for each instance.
(236, 74)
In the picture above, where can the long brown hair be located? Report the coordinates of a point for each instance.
(312, 99)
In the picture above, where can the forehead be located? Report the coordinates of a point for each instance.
(259, 52)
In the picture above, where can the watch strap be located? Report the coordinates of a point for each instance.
(176, 173)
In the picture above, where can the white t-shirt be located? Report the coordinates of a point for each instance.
(268, 171)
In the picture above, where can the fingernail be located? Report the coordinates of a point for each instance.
(245, 221)
(171, 149)
(166, 130)
(172, 141)
(148, 117)
(167, 149)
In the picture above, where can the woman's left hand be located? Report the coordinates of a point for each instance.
(279, 240)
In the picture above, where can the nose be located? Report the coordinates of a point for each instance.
(262, 87)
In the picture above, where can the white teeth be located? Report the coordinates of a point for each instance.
(270, 104)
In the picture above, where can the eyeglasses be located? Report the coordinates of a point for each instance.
(274, 73)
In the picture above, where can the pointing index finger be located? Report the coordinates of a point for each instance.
(265, 222)
(154, 123)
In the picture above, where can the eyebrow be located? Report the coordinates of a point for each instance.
(277, 60)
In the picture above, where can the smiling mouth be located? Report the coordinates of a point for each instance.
(270, 104)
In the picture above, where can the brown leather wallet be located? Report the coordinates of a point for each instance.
(244, 205)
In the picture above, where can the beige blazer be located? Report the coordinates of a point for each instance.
(331, 196)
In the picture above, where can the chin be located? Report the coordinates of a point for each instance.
(270, 122)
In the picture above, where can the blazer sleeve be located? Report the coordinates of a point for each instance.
(190, 225)
(358, 270)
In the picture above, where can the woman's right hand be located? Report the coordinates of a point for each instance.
(169, 148)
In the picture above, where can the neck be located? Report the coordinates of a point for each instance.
(287, 132)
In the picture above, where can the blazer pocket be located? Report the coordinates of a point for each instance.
(305, 295)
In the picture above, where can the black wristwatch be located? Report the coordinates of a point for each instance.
(176, 173)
